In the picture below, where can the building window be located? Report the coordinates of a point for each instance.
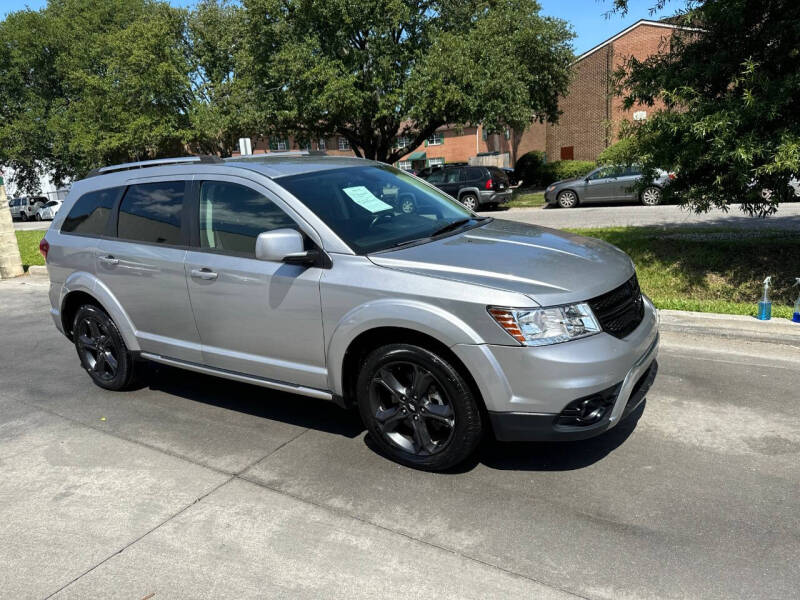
(278, 144)
(437, 139)
(404, 164)
(567, 152)
(403, 141)
(344, 143)
(321, 144)
(433, 162)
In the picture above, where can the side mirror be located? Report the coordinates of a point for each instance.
(278, 244)
(287, 245)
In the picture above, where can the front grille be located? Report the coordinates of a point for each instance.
(621, 310)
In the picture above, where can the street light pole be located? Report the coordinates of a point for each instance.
(10, 260)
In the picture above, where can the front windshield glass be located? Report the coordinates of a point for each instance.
(377, 207)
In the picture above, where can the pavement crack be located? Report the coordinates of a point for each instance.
(145, 534)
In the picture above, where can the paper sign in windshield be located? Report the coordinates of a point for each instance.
(366, 199)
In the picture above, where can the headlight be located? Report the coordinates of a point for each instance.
(543, 326)
(551, 188)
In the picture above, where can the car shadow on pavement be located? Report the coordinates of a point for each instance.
(265, 403)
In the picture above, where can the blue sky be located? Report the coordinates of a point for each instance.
(586, 16)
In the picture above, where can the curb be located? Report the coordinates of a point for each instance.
(37, 271)
(730, 326)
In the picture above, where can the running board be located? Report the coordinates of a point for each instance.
(267, 383)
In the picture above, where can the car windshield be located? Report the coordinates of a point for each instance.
(378, 207)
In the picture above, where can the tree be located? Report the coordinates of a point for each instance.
(91, 83)
(375, 70)
(730, 125)
(224, 106)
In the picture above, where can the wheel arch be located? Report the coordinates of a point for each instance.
(469, 190)
(83, 288)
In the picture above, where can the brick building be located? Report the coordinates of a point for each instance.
(591, 113)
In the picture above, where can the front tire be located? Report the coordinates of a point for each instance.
(417, 407)
(101, 349)
(567, 199)
(23, 217)
(470, 201)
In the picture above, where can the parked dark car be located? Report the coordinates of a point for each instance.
(611, 183)
(473, 186)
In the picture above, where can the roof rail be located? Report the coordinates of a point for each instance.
(159, 162)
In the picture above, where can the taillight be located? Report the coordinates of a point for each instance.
(672, 175)
(44, 248)
(489, 184)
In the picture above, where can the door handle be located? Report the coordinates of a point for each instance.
(109, 260)
(204, 273)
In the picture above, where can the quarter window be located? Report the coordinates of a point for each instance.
(89, 215)
(232, 216)
(151, 212)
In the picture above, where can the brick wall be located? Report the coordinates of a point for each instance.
(591, 114)
(584, 110)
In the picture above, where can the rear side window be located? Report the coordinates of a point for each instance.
(232, 216)
(474, 173)
(90, 212)
(151, 212)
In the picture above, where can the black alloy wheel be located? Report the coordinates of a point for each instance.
(101, 349)
(418, 407)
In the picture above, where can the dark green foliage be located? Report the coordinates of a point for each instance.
(731, 126)
(564, 169)
(528, 168)
(375, 69)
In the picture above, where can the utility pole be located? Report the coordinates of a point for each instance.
(10, 260)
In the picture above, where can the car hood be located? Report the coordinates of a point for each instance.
(567, 181)
(549, 266)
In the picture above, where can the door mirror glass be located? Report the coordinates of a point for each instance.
(278, 244)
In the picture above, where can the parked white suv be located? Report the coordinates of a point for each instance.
(25, 208)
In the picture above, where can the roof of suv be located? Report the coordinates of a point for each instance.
(270, 165)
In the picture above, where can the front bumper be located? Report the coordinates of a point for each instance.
(525, 389)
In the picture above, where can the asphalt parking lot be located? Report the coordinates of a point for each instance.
(196, 487)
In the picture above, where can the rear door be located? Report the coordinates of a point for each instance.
(257, 317)
(142, 265)
(627, 183)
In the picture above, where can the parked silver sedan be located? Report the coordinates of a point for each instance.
(612, 183)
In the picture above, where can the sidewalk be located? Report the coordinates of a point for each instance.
(730, 326)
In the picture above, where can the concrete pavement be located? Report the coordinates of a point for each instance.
(627, 215)
(197, 487)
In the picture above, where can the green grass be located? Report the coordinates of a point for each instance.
(526, 199)
(28, 242)
(710, 270)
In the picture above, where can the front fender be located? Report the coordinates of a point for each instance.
(82, 281)
(407, 314)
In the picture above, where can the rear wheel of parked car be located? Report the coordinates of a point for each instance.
(102, 350)
(651, 196)
(567, 199)
(418, 407)
(470, 201)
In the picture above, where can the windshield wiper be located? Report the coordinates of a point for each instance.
(450, 226)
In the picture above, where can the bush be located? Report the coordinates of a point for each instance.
(528, 169)
(624, 152)
(565, 169)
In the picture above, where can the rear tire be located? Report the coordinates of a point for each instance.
(567, 199)
(651, 196)
(470, 201)
(101, 349)
(417, 407)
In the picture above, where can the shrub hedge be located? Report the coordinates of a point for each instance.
(533, 171)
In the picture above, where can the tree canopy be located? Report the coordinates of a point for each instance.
(730, 125)
(378, 69)
(90, 83)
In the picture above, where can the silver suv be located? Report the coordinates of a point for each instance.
(309, 274)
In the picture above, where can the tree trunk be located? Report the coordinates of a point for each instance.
(10, 260)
